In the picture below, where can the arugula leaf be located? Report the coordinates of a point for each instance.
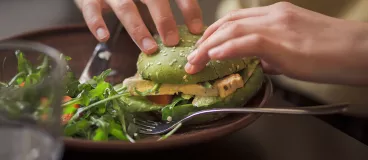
(117, 131)
(179, 112)
(167, 111)
(139, 104)
(207, 85)
(67, 58)
(30, 74)
(71, 85)
(154, 89)
(99, 90)
(100, 135)
(80, 126)
(83, 109)
(120, 88)
(102, 76)
(43, 69)
(92, 90)
(103, 125)
(186, 96)
(204, 101)
(123, 116)
(23, 64)
(19, 78)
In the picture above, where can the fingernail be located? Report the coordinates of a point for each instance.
(197, 25)
(188, 67)
(148, 43)
(214, 52)
(101, 33)
(171, 38)
(192, 55)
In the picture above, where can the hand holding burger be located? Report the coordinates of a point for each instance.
(289, 40)
(162, 85)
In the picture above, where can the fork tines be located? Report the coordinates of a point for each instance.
(145, 125)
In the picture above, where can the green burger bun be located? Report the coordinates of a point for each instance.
(163, 73)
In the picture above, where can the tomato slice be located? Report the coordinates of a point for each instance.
(65, 118)
(44, 101)
(161, 99)
(67, 98)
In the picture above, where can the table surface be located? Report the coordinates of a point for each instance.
(271, 137)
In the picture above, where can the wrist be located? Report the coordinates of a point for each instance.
(360, 48)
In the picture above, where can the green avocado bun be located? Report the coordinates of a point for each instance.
(162, 85)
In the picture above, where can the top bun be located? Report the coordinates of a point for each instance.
(166, 65)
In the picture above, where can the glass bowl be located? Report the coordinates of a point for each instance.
(31, 88)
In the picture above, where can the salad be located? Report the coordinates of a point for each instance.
(92, 110)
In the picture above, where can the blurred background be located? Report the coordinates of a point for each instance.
(24, 15)
(19, 16)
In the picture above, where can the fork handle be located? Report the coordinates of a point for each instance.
(340, 108)
(356, 110)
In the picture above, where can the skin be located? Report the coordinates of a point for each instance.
(289, 40)
(129, 14)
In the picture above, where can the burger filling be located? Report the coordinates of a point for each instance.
(163, 94)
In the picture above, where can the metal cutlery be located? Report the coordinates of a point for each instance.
(100, 58)
(155, 127)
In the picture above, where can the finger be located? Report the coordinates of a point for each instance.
(245, 46)
(192, 15)
(226, 32)
(129, 16)
(192, 69)
(233, 16)
(164, 20)
(91, 11)
(236, 49)
(105, 7)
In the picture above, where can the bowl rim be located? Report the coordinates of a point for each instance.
(201, 135)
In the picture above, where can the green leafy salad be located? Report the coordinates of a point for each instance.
(92, 110)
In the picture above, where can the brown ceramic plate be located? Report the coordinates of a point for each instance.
(77, 42)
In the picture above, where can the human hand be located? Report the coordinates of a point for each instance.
(289, 40)
(128, 14)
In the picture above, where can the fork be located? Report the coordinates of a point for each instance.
(154, 127)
